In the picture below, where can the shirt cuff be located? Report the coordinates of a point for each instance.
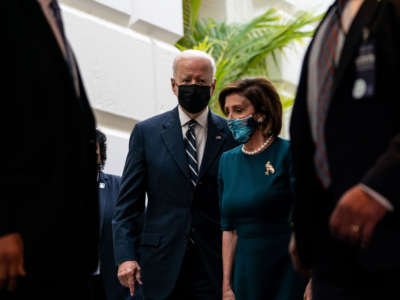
(378, 197)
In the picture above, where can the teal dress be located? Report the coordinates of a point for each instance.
(256, 201)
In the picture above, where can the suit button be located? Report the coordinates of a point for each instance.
(200, 182)
(193, 229)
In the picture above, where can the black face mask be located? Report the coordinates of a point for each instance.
(194, 98)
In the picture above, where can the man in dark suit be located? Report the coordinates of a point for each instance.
(104, 282)
(345, 133)
(49, 207)
(173, 246)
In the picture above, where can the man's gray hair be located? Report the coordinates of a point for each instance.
(192, 54)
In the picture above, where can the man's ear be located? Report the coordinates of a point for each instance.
(174, 86)
(213, 86)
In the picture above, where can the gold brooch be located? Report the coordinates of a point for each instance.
(269, 169)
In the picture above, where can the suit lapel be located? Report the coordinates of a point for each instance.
(353, 38)
(215, 140)
(173, 140)
(46, 30)
(102, 199)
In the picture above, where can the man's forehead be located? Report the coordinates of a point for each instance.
(193, 61)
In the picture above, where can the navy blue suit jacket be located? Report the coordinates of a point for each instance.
(157, 236)
(108, 194)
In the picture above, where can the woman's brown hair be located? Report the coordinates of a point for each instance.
(263, 96)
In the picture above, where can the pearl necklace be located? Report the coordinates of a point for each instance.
(259, 149)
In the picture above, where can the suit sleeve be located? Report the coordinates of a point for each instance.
(20, 151)
(129, 211)
(384, 177)
(7, 209)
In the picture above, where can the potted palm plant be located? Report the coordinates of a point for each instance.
(243, 49)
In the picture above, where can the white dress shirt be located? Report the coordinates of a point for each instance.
(200, 130)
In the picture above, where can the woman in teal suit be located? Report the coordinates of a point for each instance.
(255, 182)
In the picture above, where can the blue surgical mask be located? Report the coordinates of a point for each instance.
(242, 129)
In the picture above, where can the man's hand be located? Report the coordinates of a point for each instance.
(128, 274)
(308, 291)
(355, 217)
(294, 255)
(11, 260)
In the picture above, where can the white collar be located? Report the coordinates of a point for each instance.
(202, 119)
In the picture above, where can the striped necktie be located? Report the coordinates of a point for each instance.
(326, 69)
(191, 152)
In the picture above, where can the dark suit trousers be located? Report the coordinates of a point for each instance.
(194, 283)
(96, 286)
(355, 284)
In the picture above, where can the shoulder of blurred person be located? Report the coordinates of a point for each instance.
(52, 143)
(362, 193)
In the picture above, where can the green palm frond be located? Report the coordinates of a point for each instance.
(286, 101)
(190, 18)
(241, 50)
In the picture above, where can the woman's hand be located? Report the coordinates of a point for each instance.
(294, 255)
(229, 242)
(228, 295)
